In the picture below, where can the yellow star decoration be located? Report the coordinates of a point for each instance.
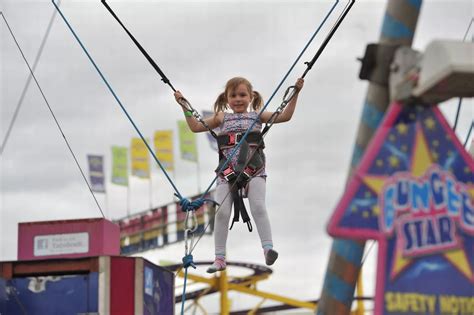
(393, 160)
(421, 163)
(376, 211)
(402, 128)
(430, 123)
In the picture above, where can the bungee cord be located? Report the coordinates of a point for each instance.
(291, 91)
(183, 102)
(147, 56)
(53, 115)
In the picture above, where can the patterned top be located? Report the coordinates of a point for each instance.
(239, 123)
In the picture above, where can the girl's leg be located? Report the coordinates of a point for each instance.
(221, 224)
(256, 197)
(221, 227)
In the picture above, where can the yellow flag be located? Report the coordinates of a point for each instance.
(164, 148)
(140, 159)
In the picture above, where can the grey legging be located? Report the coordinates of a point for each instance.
(256, 197)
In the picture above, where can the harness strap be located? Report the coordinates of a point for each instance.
(231, 139)
(238, 178)
(239, 207)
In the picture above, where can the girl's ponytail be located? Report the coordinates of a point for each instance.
(257, 101)
(220, 104)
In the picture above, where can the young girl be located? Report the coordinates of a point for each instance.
(239, 96)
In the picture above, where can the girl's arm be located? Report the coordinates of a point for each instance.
(195, 126)
(289, 109)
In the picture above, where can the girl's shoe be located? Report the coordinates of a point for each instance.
(270, 256)
(217, 265)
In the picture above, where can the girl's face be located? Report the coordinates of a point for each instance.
(239, 99)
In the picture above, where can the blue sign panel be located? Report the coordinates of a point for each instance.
(65, 295)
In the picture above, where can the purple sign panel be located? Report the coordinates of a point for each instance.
(413, 192)
(212, 140)
(158, 290)
(96, 173)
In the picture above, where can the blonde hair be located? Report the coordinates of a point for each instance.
(221, 105)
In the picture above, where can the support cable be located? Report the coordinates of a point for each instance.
(468, 134)
(54, 116)
(27, 84)
(460, 99)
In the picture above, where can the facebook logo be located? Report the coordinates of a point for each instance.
(42, 244)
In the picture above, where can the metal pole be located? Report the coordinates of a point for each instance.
(344, 264)
(128, 199)
(151, 190)
(198, 171)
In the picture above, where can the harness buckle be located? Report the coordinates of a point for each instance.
(232, 138)
(248, 172)
(229, 174)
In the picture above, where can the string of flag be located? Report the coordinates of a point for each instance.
(135, 159)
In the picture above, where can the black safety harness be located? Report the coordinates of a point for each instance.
(250, 161)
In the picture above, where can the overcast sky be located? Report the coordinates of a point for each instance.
(199, 45)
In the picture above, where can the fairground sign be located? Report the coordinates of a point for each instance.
(414, 193)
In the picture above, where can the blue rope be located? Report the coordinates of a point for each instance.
(187, 205)
(187, 261)
(233, 152)
(118, 100)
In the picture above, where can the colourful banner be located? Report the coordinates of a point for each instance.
(153, 229)
(120, 165)
(140, 158)
(164, 148)
(212, 140)
(96, 173)
(187, 142)
(414, 193)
